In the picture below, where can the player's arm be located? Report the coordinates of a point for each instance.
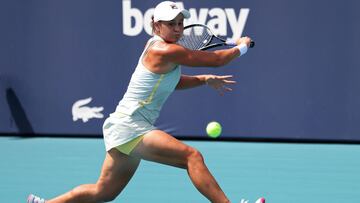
(190, 81)
(215, 81)
(179, 55)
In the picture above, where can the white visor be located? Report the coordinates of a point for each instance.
(168, 10)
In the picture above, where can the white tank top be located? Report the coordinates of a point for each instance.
(148, 91)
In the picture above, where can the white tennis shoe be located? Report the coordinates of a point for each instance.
(244, 201)
(260, 200)
(34, 199)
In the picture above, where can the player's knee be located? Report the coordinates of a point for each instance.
(195, 156)
(105, 195)
(108, 198)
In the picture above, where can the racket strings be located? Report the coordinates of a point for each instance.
(195, 37)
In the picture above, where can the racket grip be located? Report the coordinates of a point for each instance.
(232, 42)
(252, 44)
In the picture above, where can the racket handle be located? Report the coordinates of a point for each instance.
(233, 43)
(252, 44)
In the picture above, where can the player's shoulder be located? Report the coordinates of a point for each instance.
(162, 47)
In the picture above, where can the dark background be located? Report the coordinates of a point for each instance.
(301, 81)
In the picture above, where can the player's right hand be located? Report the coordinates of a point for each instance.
(246, 40)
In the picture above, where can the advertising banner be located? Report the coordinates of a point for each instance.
(66, 65)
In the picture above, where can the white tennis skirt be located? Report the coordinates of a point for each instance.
(119, 128)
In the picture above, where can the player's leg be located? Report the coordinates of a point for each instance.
(161, 147)
(117, 171)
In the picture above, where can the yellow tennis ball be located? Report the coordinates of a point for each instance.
(213, 129)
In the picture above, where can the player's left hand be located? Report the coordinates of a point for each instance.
(219, 82)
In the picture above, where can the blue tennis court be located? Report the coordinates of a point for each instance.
(283, 173)
(288, 107)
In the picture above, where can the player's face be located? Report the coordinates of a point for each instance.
(171, 31)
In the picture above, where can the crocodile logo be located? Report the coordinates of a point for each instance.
(85, 113)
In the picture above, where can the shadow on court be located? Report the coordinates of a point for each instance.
(18, 114)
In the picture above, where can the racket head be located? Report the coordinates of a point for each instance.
(199, 37)
(196, 37)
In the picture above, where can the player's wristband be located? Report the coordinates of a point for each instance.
(242, 48)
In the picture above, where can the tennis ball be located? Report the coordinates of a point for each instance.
(213, 129)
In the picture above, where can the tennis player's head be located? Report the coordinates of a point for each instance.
(168, 19)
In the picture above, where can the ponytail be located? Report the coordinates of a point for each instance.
(152, 24)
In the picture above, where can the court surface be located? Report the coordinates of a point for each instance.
(283, 173)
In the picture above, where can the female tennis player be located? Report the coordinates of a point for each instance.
(129, 132)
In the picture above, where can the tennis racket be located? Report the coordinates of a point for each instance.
(200, 37)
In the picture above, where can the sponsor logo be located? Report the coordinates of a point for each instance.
(173, 6)
(217, 19)
(85, 113)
